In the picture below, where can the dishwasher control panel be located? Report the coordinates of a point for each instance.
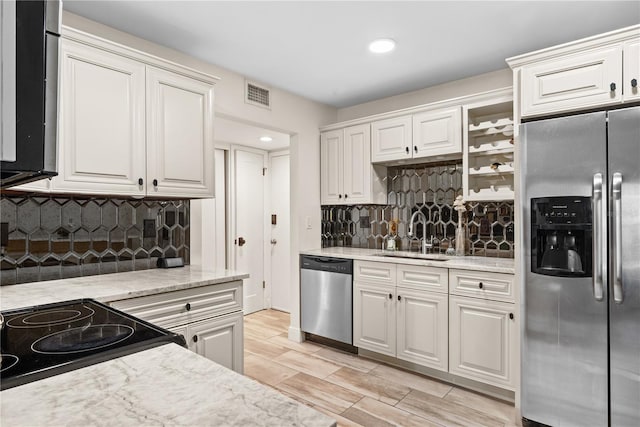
(320, 263)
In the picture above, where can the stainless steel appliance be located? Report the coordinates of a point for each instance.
(326, 296)
(46, 340)
(29, 86)
(581, 297)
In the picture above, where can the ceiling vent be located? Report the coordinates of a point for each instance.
(257, 95)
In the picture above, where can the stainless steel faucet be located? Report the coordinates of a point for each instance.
(425, 247)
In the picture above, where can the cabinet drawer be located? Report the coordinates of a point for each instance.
(572, 82)
(480, 284)
(423, 278)
(374, 273)
(179, 307)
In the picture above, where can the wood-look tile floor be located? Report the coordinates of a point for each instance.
(358, 391)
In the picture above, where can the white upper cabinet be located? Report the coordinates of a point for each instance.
(101, 144)
(391, 139)
(437, 133)
(180, 149)
(332, 166)
(588, 73)
(419, 136)
(131, 124)
(577, 81)
(631, 71)
(347, 176)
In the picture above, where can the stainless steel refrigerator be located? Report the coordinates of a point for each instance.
(581, 297)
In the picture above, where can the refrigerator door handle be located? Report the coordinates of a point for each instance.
(598, 289)
(618, 294)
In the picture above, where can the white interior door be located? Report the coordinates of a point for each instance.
(248, 212)
(280, 245)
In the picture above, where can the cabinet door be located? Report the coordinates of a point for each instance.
(101, 144)
(374, 320)
(422, 330)
(572, 82)
(391, 139)
(482, 340)
(331, 167)
(180, 147)
(631, 71)
(357, 164)
(437, 133)
(219, 339)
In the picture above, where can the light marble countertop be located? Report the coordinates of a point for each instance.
(167, 385)
(113, 287)
(494, 265)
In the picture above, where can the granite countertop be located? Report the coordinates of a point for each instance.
(494, 265)
(167, 385)
(113, 287)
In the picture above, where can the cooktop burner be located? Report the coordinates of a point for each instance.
(41, 341)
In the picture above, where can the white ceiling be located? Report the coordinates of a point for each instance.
(318, 49)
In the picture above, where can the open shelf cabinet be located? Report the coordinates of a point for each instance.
(488, 149)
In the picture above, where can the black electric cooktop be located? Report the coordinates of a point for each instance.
(46, 340)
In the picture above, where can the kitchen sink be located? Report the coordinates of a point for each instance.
(415, 255)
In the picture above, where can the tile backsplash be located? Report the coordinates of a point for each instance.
(50, 237)
(432, 189)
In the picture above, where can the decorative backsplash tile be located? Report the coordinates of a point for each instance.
(49, 237)
(431, 189)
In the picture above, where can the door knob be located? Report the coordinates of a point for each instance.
(274, 241)
(241, 241)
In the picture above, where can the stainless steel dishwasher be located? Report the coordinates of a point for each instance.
(326, 296)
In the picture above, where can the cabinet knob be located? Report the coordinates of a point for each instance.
(399, 297)
(634, 82)
(195, 338)
(140, 181)
(406, 149)
(346, 195)
(480, 285)
(339, 196)
(415, 148)
(390, 296)
(612, 86)
(155, 182)
(511, 316)
(187, 307)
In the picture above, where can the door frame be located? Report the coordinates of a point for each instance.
(232, 234)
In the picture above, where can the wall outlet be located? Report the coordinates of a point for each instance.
(149, 228)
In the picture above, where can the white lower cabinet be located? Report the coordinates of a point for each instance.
(409, 323)
(422, 328)
(482, 335)
(209, 317)
(374, 320)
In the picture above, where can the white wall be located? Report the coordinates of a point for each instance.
(476, 84)
(289, 114)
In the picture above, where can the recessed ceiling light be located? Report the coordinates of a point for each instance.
(266, 139)
(382, 46)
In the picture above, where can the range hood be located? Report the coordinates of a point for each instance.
(29, 86)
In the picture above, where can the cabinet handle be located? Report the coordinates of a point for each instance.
(155, 182)
(612, 86)
(480, 285)
(188, 307)
(140, 181)
(390, 296)
(415, 148)
(406, 149)
(634, 83)
(195, 338)
(511, 316)
(399, 297)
